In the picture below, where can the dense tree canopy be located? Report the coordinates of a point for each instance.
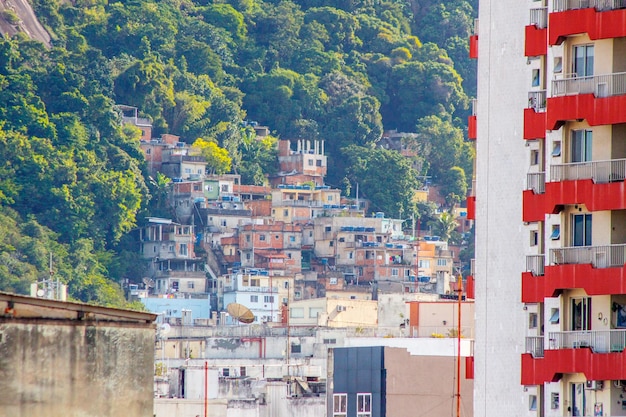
(342, 71)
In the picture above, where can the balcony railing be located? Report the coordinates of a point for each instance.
(473, 267)
(534, 346)
(607, 256)
(598, 171)
(475, 26)
(600, 85)
(539, 17)
(536, 181)
(535, 264)
(537, 100)
(600, 5)
(600, 341)
(474, 106)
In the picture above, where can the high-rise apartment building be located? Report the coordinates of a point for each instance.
(550, 207)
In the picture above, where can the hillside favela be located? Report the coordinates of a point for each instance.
(303, 208)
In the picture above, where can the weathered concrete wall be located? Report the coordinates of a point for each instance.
(63, 368)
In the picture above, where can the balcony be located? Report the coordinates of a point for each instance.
(600, 355)
(597, 99)
(599, 270)
(535, 115)
(537, 33)
(471, 208)
(600, 19)
(473, 42)
(534, 346)
(471, 122)
(599, 185)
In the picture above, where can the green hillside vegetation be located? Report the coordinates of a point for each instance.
(73, 180)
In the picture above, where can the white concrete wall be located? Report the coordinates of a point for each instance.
(504, 79)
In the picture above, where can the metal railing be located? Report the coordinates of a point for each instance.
(539, 17)
(600, 85)
(607, 256)
(475, 26)
(534, 346)
(473, 267)
(600, 341)
(536, 181)
(537, 100)
(599, 171)
(535, 264)
(474, 106)
(600, 5)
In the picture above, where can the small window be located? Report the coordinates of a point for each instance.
(532, 320)
(534, 238)
(242, 371)
(340, 405)
(268, 299)
(558, 64)
(296, 312)
(394, 272)
(364, 405)
(535, 82)
(331, 243)
(534, 157)
(532, 402)
(310, 162)
(261, 237)
(285, 213)
(297, 294)
(554, 401)
(254, 298)
(190, 285)
(554, 316)
(556, 232)
(286, 284)
(248, 256)
(327, 229)
(148, 151)
(318, 162)
(296, 348)
(556, 148)
(225, 372)
(292, 239)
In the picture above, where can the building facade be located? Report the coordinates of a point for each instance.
(551, 233)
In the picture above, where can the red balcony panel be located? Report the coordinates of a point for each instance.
(469, 287)
(596, 197)
(536, 41)
(595, 281)
(471, 208)
(597, 111)
(471, 127)
(469, 367)
(533, 206)
(534, 124)
(598, 25)
(595, 366)
(473, 46)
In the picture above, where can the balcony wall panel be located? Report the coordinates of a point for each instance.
(595, 366)
(596, 197)
(598, 25)
(536, 43)
(473, 47)
(534, 124)
(597, 111)
(471, 127)
(595, 281)
(471, 208)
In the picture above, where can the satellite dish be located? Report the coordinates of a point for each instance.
(165, 328)
(240, 313)
(40, 292)
(149, 282)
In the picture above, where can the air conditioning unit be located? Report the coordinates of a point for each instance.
(341, 308)
(594, 385)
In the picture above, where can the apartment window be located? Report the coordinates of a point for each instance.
(556, 232)
(285, 213)
(286, 284)
(558, 64)
(556, 148)
(330, 341)
(225, 188)
(225, 372)
(350, 255)
(262, 237)
(148, 151)
(255, 282)
(442, 262)
(535, 82)
(247, 256)
(554, 400)
(340, 405)
(292, 239)
(532, 320)
(581, 314)
(364, 405)
(583, 60)
(534, 238)
(424, 263)
(190, 285)
(183, 249)
(310, 162)
(532, 402)
(242, 371)
(581, 230)
(187, 170)
(534, 157)
(581, 145)
(331, 243)
(268, 299)
(254, 298)
(318, 162)
(394, 272)
(247, 238)
(327, 229)
(172, 249)
(297, 295)
(296, 348)
(554, 316)
(196, 187)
